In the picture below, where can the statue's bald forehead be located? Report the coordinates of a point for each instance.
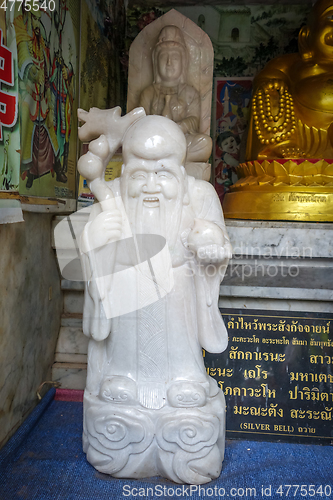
(154, 136)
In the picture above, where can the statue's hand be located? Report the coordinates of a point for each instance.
(208, 242)
(105, 228)
(214, 254)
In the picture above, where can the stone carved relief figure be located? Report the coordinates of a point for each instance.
(292, 107)
(174, 91)
(154, 253)
(172, 97)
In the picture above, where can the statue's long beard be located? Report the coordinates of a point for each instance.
(151, 220)
(163, 220)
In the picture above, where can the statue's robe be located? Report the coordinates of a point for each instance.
(161, 343)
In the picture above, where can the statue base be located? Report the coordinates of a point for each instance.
(295, 190)
(185, 445)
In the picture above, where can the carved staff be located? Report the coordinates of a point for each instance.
(105, 129)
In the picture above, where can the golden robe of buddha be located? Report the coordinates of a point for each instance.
(292, 106)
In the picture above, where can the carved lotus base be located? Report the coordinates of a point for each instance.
(297, 189)
(183, 444)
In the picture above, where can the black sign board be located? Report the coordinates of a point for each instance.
(277, 375)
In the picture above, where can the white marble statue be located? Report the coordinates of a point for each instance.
(154, 252)
(178, 83)
(171, 96)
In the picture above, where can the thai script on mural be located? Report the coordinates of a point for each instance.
(321, 343)
(278, 197)
(220, 372)
(263, 381)
(318, 358)
(257, 373)
(253, 392)
(306, 430)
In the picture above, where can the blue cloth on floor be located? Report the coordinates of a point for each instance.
(44, 461)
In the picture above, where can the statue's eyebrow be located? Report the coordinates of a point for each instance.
(327, 11)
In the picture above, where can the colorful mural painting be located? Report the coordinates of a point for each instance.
(47, 59)
(39, 80)
(39, 87)
(232, 98)
(102, 84)
(246, 37)
(103, 33)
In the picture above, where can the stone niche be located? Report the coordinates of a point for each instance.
(200, 66)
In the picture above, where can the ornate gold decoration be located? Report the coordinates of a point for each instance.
(272, 129)
(295, 189)
(289, 173)
(292, 106)
(307, 173)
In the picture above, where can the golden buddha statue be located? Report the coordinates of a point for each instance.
(289, 169)
(292, 106)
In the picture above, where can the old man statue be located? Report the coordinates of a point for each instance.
(154, 252)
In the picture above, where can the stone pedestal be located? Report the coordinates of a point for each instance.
(283, 266)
